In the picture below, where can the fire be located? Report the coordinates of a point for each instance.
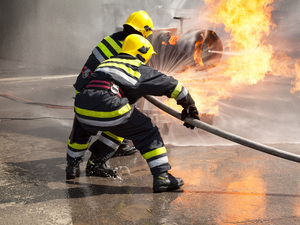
(174, 38)
(198, 51)
(248, 22)
(250, 55)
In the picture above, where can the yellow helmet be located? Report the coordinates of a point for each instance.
(139, 47)
(141, 22)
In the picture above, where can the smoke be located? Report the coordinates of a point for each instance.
(58, 36)
(286, 33)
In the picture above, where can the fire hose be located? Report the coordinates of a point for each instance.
(225, 134)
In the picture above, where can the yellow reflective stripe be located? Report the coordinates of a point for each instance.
(76, 92)
(105, 50)
(113, 44)
(155, 152)
(78, 146)
(115, 137)
(136, 63)
(85, 112)
(177, 90)
(123, 67)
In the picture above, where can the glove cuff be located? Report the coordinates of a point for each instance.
(186, 101)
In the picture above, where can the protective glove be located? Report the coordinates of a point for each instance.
(189, 111)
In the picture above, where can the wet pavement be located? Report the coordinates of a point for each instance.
(224, 184)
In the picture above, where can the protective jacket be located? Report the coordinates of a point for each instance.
(108, 47)
(117, 84)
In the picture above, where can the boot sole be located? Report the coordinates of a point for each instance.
(167, 188)
(72, 176)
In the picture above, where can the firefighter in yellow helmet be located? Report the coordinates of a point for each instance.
(106, 104)
(137, 23)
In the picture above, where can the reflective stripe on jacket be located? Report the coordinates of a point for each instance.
(110, 46)
(107, 48)
(103, 108)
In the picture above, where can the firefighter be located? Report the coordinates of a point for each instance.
(107, 104)
(137, 23)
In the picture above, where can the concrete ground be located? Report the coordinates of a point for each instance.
(224, 184)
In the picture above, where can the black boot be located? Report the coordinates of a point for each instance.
(99, 168)
(72, 169)
(125, 149)
(166, 182)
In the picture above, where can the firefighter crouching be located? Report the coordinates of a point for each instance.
(137, 23)
(106, 105)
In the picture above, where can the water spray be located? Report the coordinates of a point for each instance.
(225, 134)
(200, 49)
(224, 52)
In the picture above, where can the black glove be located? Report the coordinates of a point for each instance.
(189, 111)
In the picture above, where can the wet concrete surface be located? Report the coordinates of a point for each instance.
(224, 184)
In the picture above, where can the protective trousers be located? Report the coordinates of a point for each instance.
(103, 148)
(140, 129)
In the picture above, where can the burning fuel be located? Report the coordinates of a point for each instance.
(213, 68)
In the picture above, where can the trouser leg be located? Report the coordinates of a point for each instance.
(102, 150)
(105, 146)
(146, 138)
(109, 145)
(80, 143)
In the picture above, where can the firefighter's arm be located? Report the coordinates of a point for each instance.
(156, 83)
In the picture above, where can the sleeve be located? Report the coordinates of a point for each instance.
(153, 82)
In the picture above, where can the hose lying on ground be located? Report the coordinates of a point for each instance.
(225, 134)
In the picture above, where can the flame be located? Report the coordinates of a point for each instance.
(250, 55)
(248, 22)
(173, 39)
(198, 51)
